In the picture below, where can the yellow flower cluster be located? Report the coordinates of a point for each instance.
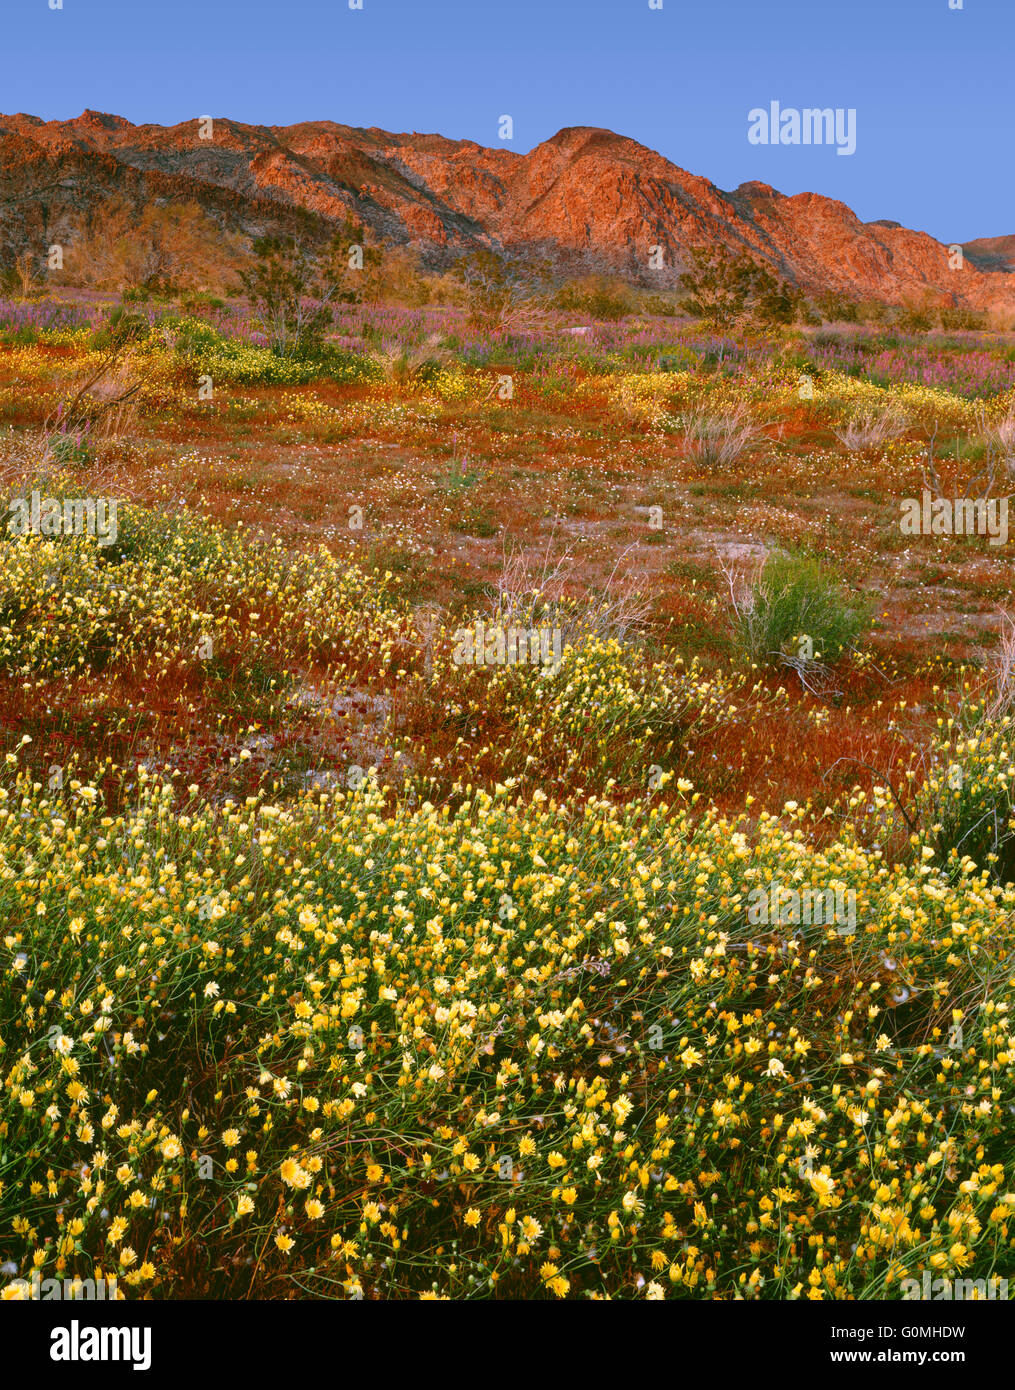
(537, 1048)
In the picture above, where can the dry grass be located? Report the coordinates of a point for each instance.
(1000, 673)
(545, 588)
(870, 428)
(718, 441)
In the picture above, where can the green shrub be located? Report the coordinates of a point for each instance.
(660, 305)
(597, 298)
(967, 320)
(796, 614)
(836, 308)
(71, 449)
(913, 319)
(121, 329)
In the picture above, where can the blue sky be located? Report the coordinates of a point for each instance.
(931, 85)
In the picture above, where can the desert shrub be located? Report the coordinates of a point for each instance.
(658, 304)
(914, 319)
(292, 284)
(531, 592)
(288, 292)
(150, 249)
(836, 308)
(121, 328)
(594, 298)
(967, 320)
(796, 614)
(200, 302)
(871, 426)
(501, 291)
(72, 449)
(726, 289)
(406, 281)
(716, 441)
(406, 365)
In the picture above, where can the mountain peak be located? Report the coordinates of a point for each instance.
(754, 189)
(100, 120)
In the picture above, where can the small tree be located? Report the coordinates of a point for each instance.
(21, 278)
(155, 249)
(350, 267)
(291, 287)
(727, 290)
(284, 290)
(498, 288)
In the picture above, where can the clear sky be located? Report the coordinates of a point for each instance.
(932, 87)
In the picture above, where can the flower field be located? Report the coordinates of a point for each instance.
(344, 957)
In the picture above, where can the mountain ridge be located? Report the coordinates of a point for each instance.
(593, 198)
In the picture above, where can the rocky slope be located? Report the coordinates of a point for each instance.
(588, 196)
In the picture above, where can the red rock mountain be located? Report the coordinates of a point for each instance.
(595, 199)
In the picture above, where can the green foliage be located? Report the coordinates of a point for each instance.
(350, 267)
(660, 305)
(497, 286)
(914, 319)
(229, 361)
(291, 286)
(726, 290)
(797, 613)
(121, 329)
(834, 307)
(194, 303)
(280, 286)
(595, 298)
(962, 320)
(72, 449)
(25, 336)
